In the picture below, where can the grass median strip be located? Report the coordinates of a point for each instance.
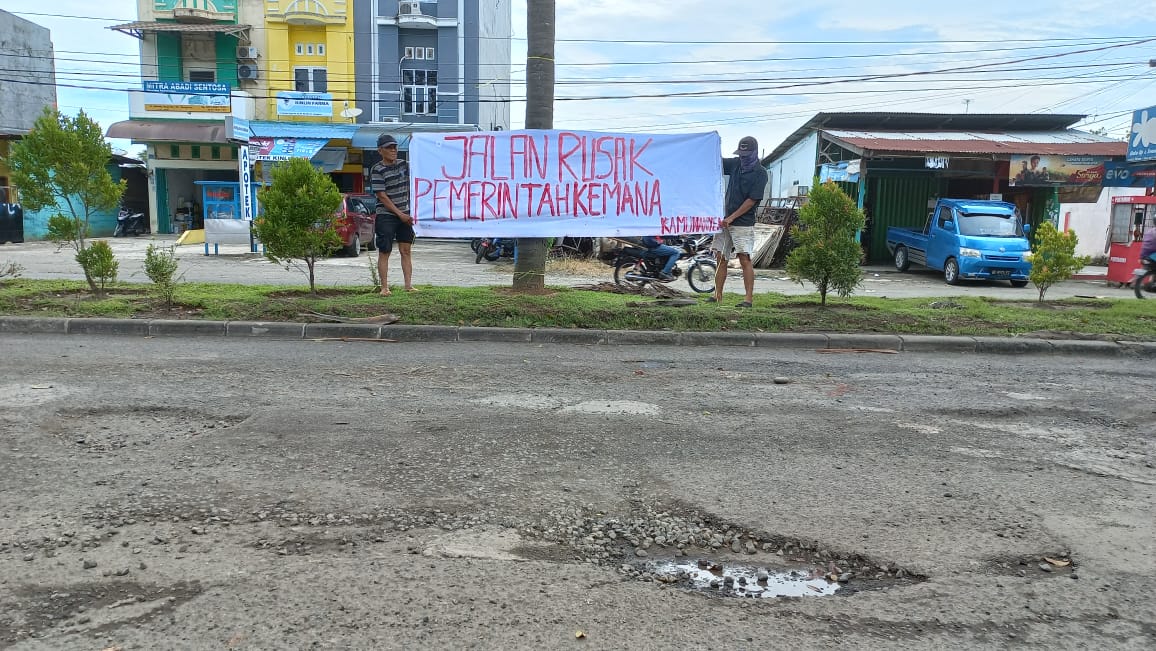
(577, 308)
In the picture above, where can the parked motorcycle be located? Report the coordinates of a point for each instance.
(634, 266)
(130, 224)
(1144, 279)
(492, 248)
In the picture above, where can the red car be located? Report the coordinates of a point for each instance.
(355, 224)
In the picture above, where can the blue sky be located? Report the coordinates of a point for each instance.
(1027, 56)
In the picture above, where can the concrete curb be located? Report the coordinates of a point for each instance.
(451, 334)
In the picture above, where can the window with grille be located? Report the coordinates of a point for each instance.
(310, 80)
(202, 75)
(419, 92)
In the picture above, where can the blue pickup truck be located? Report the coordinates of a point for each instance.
(978, 240)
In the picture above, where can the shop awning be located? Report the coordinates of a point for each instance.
(324, 131)
(170, 131)
(140, 28)
(367, 134)
(366, 137)
(279, 149)
(330, 159)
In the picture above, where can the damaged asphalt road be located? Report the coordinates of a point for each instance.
(245, 494)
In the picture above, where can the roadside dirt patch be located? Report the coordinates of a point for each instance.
(304, 293)
(138, 302)
(510, 291)
(1059, 307)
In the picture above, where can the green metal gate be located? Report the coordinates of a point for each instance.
(164, 223)
(897, 200)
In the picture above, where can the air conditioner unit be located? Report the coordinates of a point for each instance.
(246, 71)
(409, 8)
(246, 52)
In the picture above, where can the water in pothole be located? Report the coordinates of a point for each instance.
(743, 581)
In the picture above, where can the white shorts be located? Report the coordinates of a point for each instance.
(733, 240)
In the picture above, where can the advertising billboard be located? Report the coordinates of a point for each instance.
(186, 96)
(1142, 141)
(1053, 171)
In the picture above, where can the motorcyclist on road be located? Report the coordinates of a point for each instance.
(657, 249)
(1148, 246)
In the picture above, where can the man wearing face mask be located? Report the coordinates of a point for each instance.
(748, 183)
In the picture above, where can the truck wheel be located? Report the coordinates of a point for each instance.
(951, 272)
(1019, 283)
(902, 262)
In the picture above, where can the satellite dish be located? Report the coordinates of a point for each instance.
(351, 112)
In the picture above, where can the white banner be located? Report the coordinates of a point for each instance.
(564, 183)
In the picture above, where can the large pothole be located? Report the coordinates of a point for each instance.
(734, 580)
(111, 429)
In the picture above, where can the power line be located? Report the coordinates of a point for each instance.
(499, 100)
(287, 76)
(686, 42)
(838, 57)
(872, 77)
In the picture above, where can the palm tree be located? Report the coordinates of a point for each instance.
(530, 270)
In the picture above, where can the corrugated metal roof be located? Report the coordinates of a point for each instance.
(899, 121)
(139, 27)
(1069, 142)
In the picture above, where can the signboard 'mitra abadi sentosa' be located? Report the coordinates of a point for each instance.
(540, 183)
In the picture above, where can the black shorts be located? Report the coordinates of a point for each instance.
(389, 229)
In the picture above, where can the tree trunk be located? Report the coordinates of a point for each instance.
(530, 267)
(312, 282)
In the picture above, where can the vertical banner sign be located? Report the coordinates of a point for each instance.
(540, 183)
(244, 173)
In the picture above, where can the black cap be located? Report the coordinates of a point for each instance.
(747, 143)
(386, 140)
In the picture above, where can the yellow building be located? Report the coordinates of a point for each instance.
(309, 59)
(307, 71)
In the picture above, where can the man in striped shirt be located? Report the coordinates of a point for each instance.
(389, 181)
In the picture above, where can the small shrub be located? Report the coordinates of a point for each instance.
(161, 268)
(99, 264)
(1054, 257)
(67, 231)
(299, 220)
(62, 165)
(826, 253)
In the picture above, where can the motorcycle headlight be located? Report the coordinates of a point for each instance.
(969, 253)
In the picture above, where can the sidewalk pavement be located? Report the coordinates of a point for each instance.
(451, 334)
(1091, 273)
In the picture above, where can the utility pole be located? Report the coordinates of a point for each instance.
(530, 268)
